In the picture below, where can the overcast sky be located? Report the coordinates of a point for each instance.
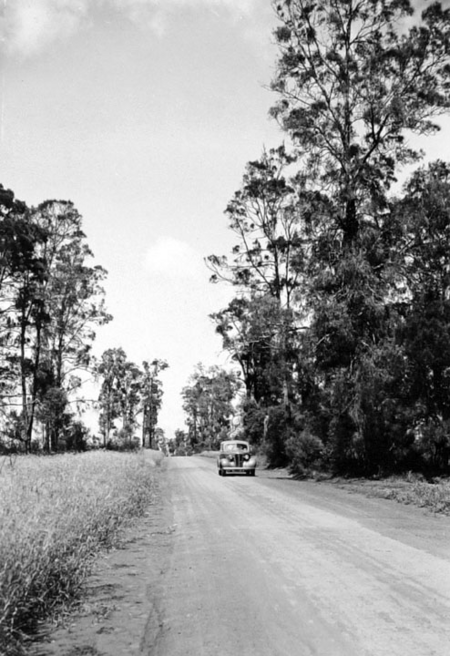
(144, 114)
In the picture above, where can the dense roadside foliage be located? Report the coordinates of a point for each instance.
(56, 514)
(51, 302)
(341, 321)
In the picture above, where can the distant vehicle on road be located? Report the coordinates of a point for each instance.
(236, 457)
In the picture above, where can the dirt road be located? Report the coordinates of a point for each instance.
(268, 566)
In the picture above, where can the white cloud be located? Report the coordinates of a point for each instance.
(171, 258)
(236, 6)
(29, 26)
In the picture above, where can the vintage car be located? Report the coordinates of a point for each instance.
(235, 456)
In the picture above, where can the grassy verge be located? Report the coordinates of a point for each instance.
(406, 490)
(55, 515)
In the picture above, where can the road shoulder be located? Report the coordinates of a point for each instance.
(118, 612)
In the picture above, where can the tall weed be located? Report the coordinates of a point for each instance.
(55, 515)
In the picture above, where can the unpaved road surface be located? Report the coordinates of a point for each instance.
(268, 566)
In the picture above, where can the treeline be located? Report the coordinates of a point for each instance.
(128, 392)
(209, 404)
(51, 302)
(341, 320)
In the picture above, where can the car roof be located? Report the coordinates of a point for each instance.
(233, 442)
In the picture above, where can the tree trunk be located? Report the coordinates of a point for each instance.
(351, 226)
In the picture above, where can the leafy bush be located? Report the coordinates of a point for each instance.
(254, 421)
(283, 427)
(124, 440)
(277, 434)
(306, 453)
(77, 437)
(432, 443)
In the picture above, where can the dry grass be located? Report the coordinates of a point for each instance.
(407, 490)
(55, 515)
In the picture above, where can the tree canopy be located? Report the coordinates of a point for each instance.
(208, 405)
(340, 322)
(51, 301)
(128, 392)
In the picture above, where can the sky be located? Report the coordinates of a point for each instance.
(144, 114)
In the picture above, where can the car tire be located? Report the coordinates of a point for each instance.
(253, 472)
(224, 472)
